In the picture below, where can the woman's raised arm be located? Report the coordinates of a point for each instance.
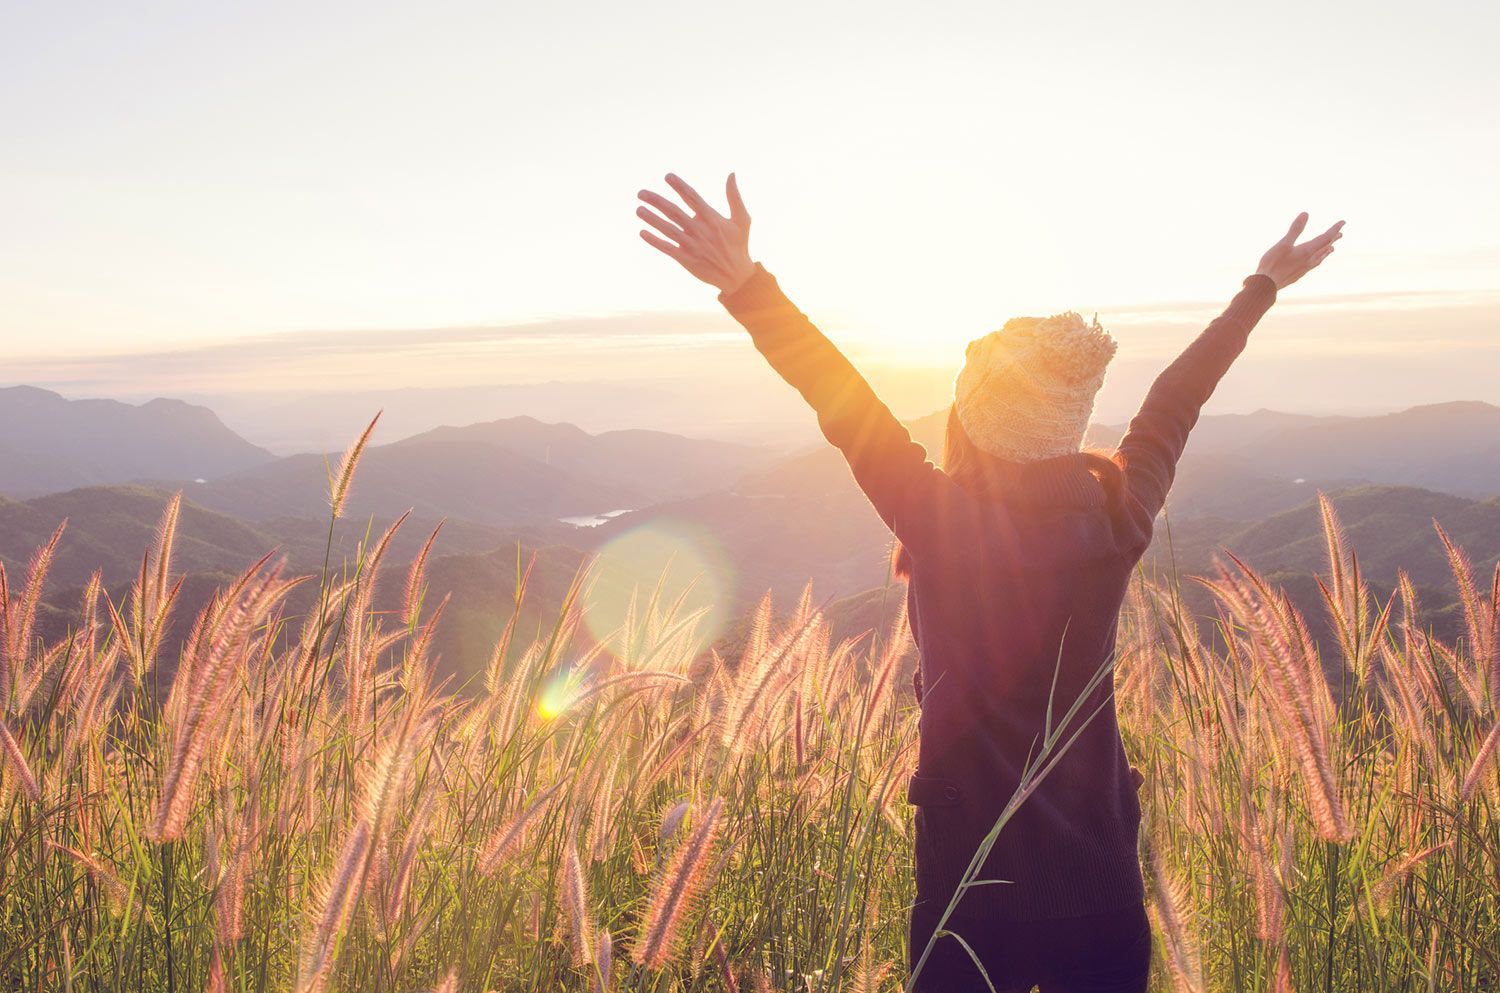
(888, 465)
(1158, 433)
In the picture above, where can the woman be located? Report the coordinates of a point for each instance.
(1017, 553)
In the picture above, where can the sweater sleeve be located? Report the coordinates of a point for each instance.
(1159, 431)
(888, 465)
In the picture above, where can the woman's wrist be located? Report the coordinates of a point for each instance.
(738, 277)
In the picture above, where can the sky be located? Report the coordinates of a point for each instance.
(219, 198)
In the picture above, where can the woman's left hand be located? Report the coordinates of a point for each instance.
(1286, 261)
(707, 244)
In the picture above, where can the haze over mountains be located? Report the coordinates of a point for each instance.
(289, 422)
(515, 471)
(773, 520)
(58, 444)
(1450, 447)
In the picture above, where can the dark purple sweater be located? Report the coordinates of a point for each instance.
(1007, 588)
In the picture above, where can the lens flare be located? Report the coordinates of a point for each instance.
(665, 559)
(556, 696)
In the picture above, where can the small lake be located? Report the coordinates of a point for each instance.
(594, 520)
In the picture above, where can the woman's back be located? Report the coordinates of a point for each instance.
(1014, 600)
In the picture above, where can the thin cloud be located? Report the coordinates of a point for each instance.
(1450, 327)
(563, 347)
(1182, 310)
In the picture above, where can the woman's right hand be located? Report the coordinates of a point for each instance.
(1286, 261)
(707, 244)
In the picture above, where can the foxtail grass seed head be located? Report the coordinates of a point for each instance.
(505, 841)
(16, 762)
(335, 906)
(1486, 760)
(676, 891)
(1169, 902)
(671, 821)
(343, 478)
(574, 899)
(604, 953)
(416, 579)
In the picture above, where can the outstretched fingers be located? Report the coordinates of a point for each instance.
(737, 212)
(690, 196)
(1327, 238)
(663, 246)
(1299, 223)
(665, 227)
(670, 210)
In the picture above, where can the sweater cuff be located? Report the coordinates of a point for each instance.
(756, 293)
(1252, 302)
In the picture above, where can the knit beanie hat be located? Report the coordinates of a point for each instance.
(1026, 391)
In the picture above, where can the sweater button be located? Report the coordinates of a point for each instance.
(950, 793)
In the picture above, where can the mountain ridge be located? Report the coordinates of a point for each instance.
(68, 444)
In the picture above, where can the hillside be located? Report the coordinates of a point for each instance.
(772, 541)
(1447, 447)
(658, 465)
(438, 477)
(1390, 527)
(1450, 447)
(109, 528)
(500, 474)
(1229, 432)
(67, 444)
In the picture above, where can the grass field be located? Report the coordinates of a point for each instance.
(302, 808)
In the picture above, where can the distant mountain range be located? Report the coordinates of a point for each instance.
(522, 470)
(657, 465)
(760, 408)
(500, 474)
(109, 528)
(1448, 447)
(53, 444)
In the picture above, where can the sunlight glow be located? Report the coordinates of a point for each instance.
(666, 560)
(557, 696)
